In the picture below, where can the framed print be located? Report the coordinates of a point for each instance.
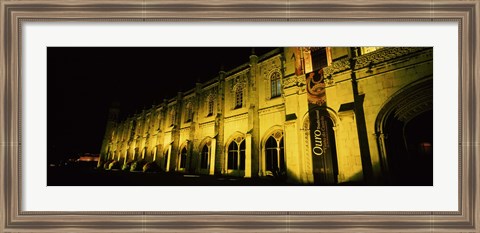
(305, 116)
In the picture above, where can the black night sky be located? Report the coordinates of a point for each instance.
(82, 83)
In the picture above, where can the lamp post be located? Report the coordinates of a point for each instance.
(360, 120)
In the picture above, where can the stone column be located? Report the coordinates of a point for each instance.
(155, 154)
(220, 165)
(383, 158)
(261, 162)
(169, 157)
(293, 154)
(248, 156)
(253, 118)
(213, 149)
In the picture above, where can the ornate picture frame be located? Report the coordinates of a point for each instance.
(13, 13)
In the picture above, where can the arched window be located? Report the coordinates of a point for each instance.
(210, 106)
(236, 156)
(137, 126)
(204, 159)
(188, 116)
(271, 154)
(275, 154)
(233, 155)
(159, 122)
(275, 85)
(172, 117)
(183, 158)
(146, 126)
(238, 97)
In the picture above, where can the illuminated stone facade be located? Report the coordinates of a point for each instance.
(256, 120)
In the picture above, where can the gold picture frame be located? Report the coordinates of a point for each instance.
(14, 12)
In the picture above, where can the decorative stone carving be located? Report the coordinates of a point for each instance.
(188, 102)
(239, 139)
(298, 81)
(271, 68)
(278, 135)
(290, 82)
(338, 66)
(383, 55)
(211, 94)
(369, 59)
(307, 146)
(414, 104)
(240, 80)
(301, 81)
(236, 86)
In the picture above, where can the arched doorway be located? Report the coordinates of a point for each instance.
(405, 130)
(319, 134)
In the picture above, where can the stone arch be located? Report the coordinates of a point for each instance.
(204, 160)
(270, 131)
(235, 136)
(419, 93)
(404, 125)
(277, 134)
(234, 158)
(182, 157)
(331, 112)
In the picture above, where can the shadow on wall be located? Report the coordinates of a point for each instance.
(354, 180)
(386, 180)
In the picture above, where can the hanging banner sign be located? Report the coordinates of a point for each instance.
(321, 130)
(316, 88)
